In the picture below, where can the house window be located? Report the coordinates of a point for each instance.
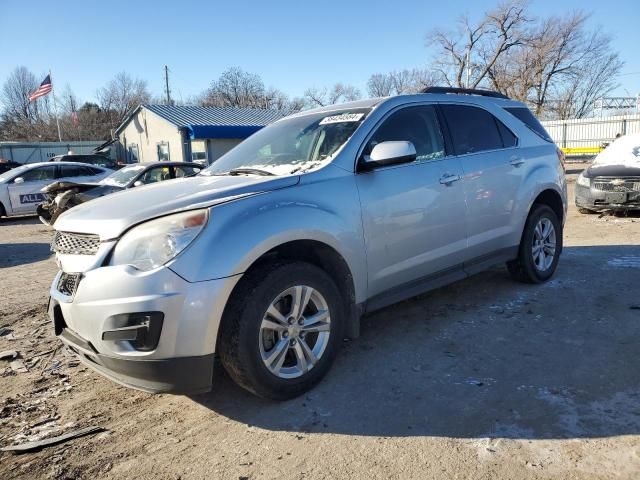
(199, 157)
(133, 153)
(163, 151)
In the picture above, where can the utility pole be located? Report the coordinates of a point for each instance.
(166, 81)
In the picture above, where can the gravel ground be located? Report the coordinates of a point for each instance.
(485, 378)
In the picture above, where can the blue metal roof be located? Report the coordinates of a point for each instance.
(216, 122)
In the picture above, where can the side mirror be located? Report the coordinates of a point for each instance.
(18, 180)
(137, 183)
(390, 153)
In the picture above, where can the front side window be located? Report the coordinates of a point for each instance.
(418, 125)
(157, 174)
(40, 174)
(472, 129)
(186, 171)
(293, 145)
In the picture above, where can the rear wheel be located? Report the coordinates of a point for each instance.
(282, 329)
(540, 247)
(3, 212)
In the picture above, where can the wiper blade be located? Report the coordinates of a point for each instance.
(250, 171)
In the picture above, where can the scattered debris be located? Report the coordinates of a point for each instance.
(31, 446)
(18, 366)
(8, 355)
(4, 331)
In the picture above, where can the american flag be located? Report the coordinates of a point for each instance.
(44, 88)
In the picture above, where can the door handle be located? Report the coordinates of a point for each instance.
(516, 161)
(448, 179)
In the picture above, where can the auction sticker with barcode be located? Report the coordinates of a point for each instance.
(343, 117)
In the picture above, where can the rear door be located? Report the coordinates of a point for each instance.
(414, 213)
(26, 196)
(489, 157)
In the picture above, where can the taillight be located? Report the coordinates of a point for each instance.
(561, 158)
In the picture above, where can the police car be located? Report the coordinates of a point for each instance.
(20, 187)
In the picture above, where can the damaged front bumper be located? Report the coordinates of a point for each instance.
(593, 198)
(152, 331)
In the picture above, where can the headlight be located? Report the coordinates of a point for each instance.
(154, 243)
(583, 181)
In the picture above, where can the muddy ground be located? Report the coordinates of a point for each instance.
(485, 378)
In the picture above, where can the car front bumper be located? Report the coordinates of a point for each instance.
(593, 199)
(94, 320)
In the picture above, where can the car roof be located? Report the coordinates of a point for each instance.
(148, 164)
(471, 98)
(39, 164)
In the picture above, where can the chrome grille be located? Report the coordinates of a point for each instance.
(605, 184)
(68, 283)
(75, 243)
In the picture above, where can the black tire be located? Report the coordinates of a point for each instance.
(523, 268)
(3, 212)
(586, 211)
(239, 339)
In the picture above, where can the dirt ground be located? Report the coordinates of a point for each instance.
(483, 379)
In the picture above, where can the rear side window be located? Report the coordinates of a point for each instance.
(525, 116)
(472, 129)
(508, 138)
(73, 171)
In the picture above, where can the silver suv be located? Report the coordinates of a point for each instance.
(267, 259)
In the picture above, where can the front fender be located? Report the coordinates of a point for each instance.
(325, 210)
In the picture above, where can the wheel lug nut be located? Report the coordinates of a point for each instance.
(293, 341)
(301, 321)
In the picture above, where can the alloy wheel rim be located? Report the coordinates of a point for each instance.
(294, 332)
(544, 244)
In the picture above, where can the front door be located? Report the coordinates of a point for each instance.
(26, 196)
(413, 214)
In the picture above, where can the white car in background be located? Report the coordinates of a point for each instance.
(20, 187)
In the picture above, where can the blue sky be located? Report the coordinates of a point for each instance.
(293, 45)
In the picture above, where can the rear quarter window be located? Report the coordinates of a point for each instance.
(472, 129)
(525, 116)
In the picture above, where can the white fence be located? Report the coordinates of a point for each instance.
(591, 132)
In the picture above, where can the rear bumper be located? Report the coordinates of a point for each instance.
(173, 375)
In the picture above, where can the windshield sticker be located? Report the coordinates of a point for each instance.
(343, 117)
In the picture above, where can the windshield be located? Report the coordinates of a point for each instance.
(11, 173)
(122, 177)
(291, 146)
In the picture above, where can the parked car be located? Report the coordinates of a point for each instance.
(98, 160)
(268, 258)
(61, 196)
(20, 187)
(6, 165)
(612, 182)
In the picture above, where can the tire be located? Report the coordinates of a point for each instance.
(526, 268)
(3, 212)
(247, 343)
(586, 211)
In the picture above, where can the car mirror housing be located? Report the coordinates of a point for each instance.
(18, 180)
(390, 153)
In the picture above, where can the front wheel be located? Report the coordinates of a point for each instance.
(540, 247)
(282, 329)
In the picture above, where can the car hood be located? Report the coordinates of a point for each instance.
(111, 215)
(624, 170)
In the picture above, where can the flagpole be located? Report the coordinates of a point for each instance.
(55, 107)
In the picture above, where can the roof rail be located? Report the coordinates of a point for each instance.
(466, 91)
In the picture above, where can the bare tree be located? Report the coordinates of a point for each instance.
(122, 94)
(321, 97)
(466, 55)
(398, 82)
(561, 69)
(238, 88)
